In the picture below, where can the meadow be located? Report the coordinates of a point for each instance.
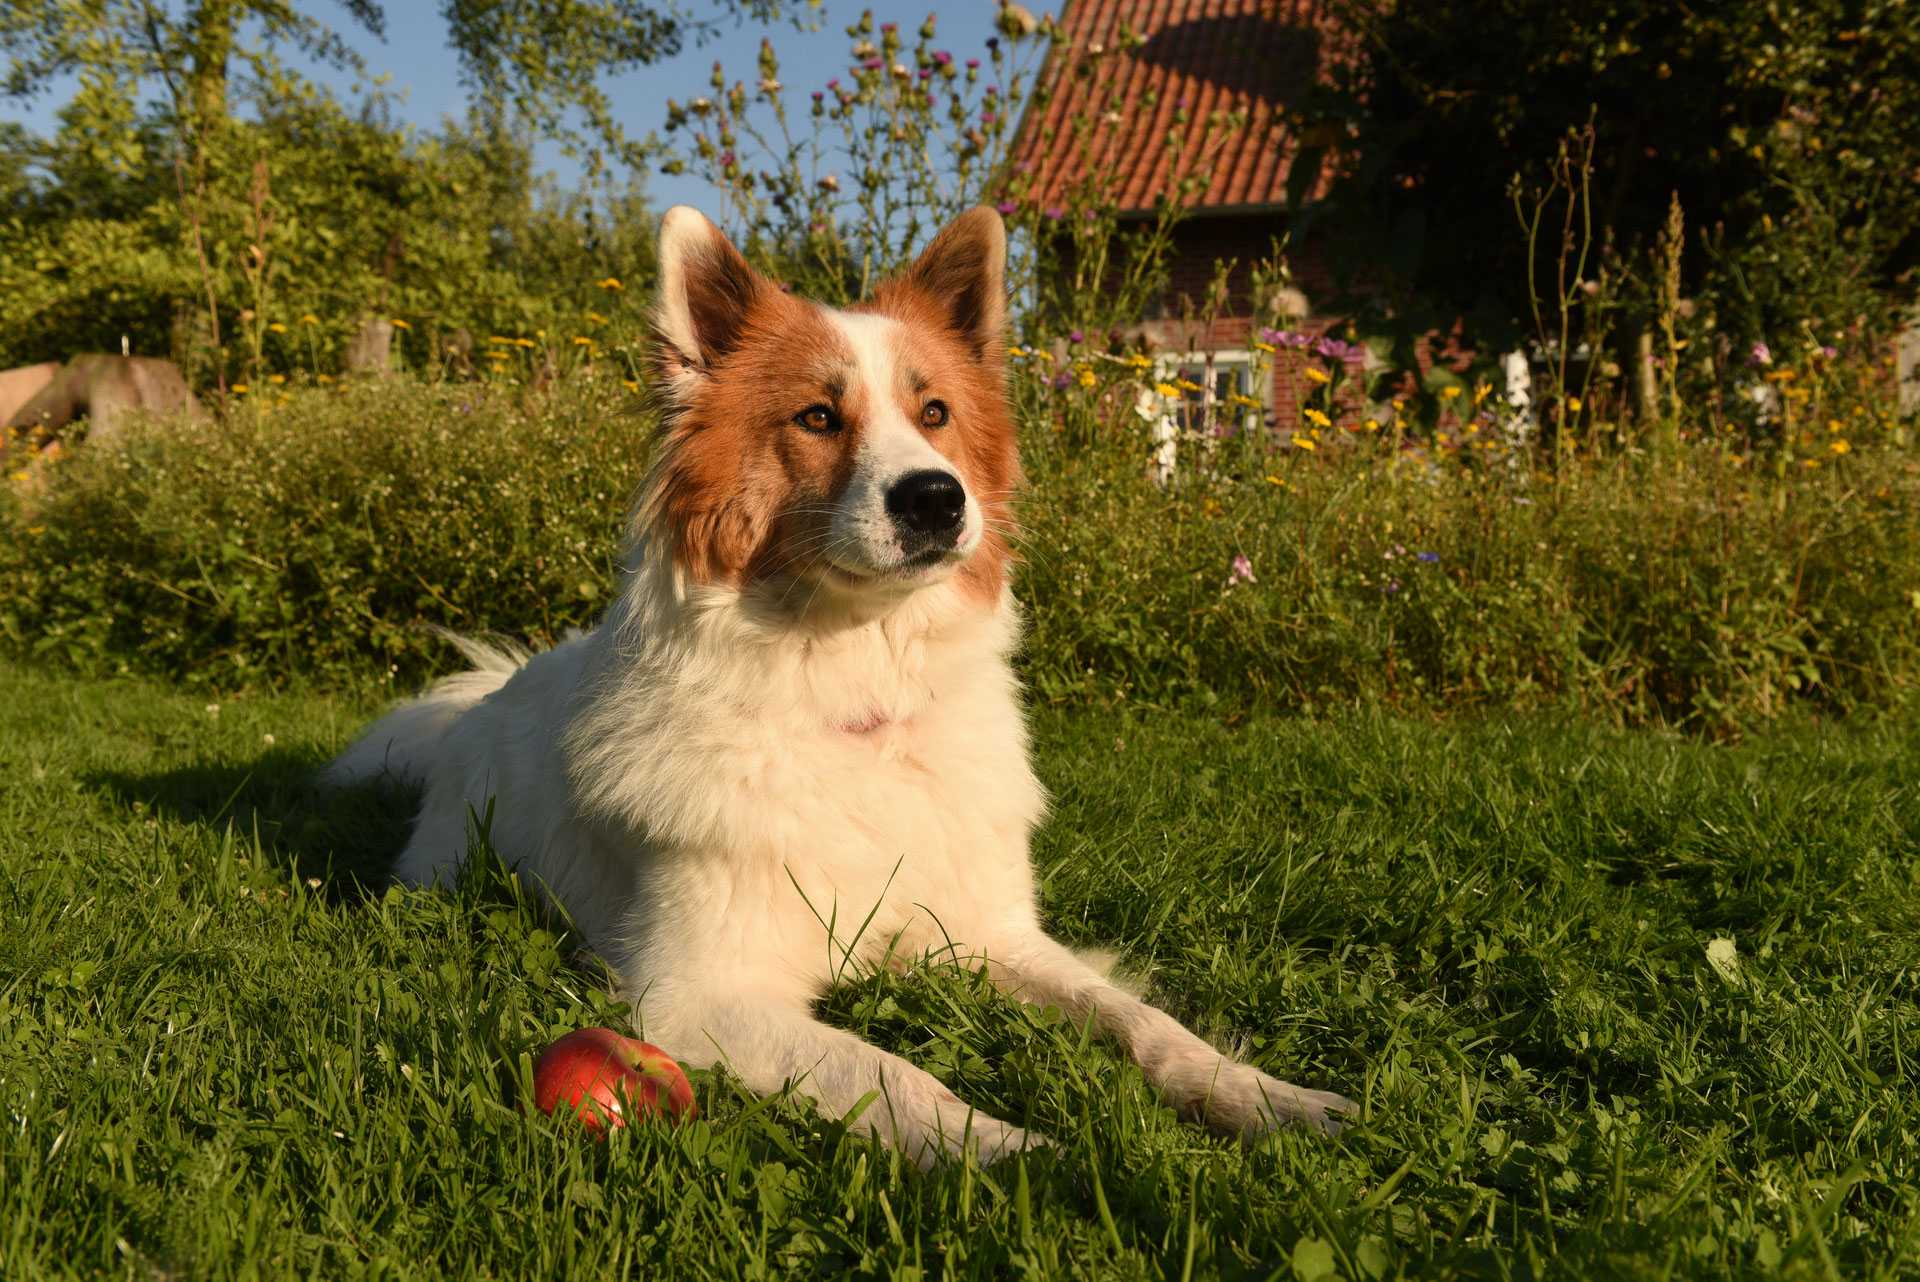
(1615, 1004)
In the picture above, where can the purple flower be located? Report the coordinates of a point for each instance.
(987, 117)
(926, 73)
(817, 95)
(1286, 338)
(1241, 571)
(1075, 336)
(1829, 352)
(942, 57)
(1006, 206)
(1055, 213)
(873, 64)
(726, 158)
(1761, 355)
(1333, 349)
(834, 83)
(1427, 557)
(993, 42)
(1061, 380)
(973, 64)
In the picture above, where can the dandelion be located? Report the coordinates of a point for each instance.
(1835, 425)
(1139, 360)
(596, 318)
(400, 324)
(609, 283)
(1839, 447)
(581, 340)
(1449, 393)
(1316, 417)
(276, 378)
(1319, 375)
(277, 328)
(239, 389)
(1373, 425)
(1241, 571)
(309, 319)
(632, 385)
(1261, 346)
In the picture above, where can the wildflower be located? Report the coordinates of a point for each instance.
(1088, 378)
(596, 318)
(1839, 447)
(400, 324)
(277, 328)
(309, 319)
(239, 389)
(1449, 393)
(213, 709)
(1055, 214)
(326, 378)
(1139, 360)
(1427, 558)
(1241, 571)
(276, 378)
(1332, 348)
(831, 182)
(1316, 417)
(1835, 425)
(1006, 207)
(1260, 346)
(973, 64)
(1373, 425)
(313, 883)
(609, 283)
(1166, 389)
(1573, 403)
(1319, 375)
(1829, 352)
(769, 85)
(1761, 355)
(942, 57)
(581, 340)
(1304, 442)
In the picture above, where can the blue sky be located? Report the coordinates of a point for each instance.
(416, 55)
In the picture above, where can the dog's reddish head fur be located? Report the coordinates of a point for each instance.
(781, 413)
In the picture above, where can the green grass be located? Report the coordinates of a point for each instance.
(1494, 934)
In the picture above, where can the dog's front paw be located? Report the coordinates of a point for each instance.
(1248, 1103)
(956, 1129)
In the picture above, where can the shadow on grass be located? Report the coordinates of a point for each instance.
(348, 838)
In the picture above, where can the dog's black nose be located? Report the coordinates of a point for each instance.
(930, 504)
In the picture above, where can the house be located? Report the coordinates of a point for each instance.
(1135, 70)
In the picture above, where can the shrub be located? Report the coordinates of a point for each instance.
(1697, 588)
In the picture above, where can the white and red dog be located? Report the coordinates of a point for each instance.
(795, 738)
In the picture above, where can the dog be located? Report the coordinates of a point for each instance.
(795, 742)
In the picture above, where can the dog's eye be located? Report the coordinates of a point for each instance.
(818, 418)
(933, 414)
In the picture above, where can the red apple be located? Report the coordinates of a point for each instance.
(607, 1077)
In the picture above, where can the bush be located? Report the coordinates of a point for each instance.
(1700, 589)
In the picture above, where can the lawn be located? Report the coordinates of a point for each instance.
(1616, 1004)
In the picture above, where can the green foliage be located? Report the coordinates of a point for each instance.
(1790, 132)
(1710, 589)
(311, 537)
(1616, 1007)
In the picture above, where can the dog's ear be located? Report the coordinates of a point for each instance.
(706, 291)
(963, 273)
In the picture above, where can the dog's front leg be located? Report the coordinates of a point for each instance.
(771, 1048)
(1196, 1079)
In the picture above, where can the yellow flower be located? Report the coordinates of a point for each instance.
(497, 339)
(1190, 387)
(1373, 425)
(239, 389)
(528, 342)
(400, 324)
(1318, 375)
(1835, 425)
(1166, 389)
(1304, 443)
(36, 529)
(1274, 480)
(1448, 393)
(277, 328)
(1838, 447)
(1573, 403)
(1259, 346)
(1045, 356)
(1246, 401)
(1139, 360)
(611, 283)
(630, 384)
(596, 318)
(276, 378)
(1088, 378)
(326, 378)
(309, 319)
(1316, 418)
(580, 340)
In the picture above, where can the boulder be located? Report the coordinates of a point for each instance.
(102, 387)
(18, 386)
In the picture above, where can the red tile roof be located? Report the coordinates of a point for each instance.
(1206, 55)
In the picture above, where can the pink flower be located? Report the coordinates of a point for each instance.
(1241, 571)
(1761, 355)
(1006, 206)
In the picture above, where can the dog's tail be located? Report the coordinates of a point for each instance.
(402, 744)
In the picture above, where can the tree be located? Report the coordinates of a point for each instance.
(1788, 131)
